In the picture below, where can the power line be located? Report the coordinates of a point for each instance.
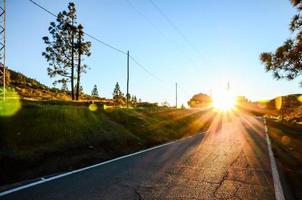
(89, 35)
(145, 69)
(142, 14)
(107, 44)
(162, 33)
(146, 19)
(173, 25)
(43, 8)
(104, 43)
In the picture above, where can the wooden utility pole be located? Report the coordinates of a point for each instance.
(127, 95)
(176, 95)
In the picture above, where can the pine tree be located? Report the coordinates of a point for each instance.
(61, 48)
(83, 49)
(286, 61)
(134, 101)
(118, 96)
(94, 91)
(116, 92)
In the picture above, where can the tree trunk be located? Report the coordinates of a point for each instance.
(79, 65)
(72, 62)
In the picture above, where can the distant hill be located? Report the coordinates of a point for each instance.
(31, 89)
(287, 107)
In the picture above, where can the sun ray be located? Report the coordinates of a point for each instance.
(223, 101)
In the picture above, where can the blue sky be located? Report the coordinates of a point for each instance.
(220, 41)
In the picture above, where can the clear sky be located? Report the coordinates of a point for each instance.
(215, 41)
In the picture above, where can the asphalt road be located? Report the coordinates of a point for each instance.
(230, 161)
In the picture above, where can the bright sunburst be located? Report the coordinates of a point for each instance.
(223, 101)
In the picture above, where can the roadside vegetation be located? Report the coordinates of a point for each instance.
(287, 146)
(46, 138)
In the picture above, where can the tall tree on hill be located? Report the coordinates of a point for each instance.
(83, 49)
(61, 48)
(94, 91)
(117, 91)
(286, 61)
(134, 100)
(117, 94)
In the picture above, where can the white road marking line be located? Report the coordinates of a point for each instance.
(279, 194)
(44, 180)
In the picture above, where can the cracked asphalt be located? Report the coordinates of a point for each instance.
(230, 161)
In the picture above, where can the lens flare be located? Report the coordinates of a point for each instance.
(285, 140)
(223, 101)
(278, 102)
(11, 105)
(93, 107)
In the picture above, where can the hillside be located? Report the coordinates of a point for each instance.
(31, 89)
(288, 108)
(43, 139)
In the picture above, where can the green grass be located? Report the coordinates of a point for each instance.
(41, 139)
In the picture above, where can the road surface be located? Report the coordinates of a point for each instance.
(230, 161)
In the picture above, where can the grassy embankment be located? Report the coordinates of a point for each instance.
(287, 146)
(42, 139)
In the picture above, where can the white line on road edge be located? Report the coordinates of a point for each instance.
(277, 183)
(43, 180)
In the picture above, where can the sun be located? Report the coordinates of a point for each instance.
(223, 101)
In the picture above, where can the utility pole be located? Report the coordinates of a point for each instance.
(2, 49)
(176, 95)
(211, 92)
(127, 95)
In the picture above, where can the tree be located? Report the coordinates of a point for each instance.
(199, 101)
(286, 61)
(94, 91)
(118, 96)
(81, 91)
(116, 91)
(133, 100)
(83, 49)
(61, 48)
